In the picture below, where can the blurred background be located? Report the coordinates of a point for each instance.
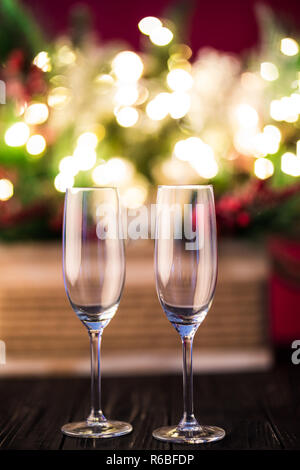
(136, 94)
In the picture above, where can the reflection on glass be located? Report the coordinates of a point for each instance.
(186, 272)
(94, 272)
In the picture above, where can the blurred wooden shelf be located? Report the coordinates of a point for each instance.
(37, 322)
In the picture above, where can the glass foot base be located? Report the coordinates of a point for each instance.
(108, 429)
(196, 436)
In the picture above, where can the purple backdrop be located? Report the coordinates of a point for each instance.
(226, 25)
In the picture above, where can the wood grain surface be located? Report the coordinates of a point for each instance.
(257, 410)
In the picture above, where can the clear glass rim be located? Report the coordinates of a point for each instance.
(91, 188)
(185, 186)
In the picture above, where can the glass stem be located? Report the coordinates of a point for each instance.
(188, 420)
(96, 414)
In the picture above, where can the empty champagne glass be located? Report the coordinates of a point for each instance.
(94, 273)
(186, 272)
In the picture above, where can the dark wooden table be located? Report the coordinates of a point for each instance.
(257, 410)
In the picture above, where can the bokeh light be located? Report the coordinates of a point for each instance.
(289, 46)
(127, 116)
(117, 171)
(161, 36)
(148, 24)
(134, 196)
(290, 164)
(85, 157)
(65, 55)
(17, 135)
(127, 66)
(126, 94)
(246, 115)
(36, 144)
(263, 168)
(63, 181)
(88, 139)
(69, 165)
(158, 108)
(58, 97)
(42, 61)
(269, 71)
(179, 104)
(36, 113)
(179, 80)
(6, 189)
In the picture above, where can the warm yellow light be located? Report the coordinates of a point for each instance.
(258, 144)
(199, 155)
(205, 167)
(127, 66)
(273, 132)
(36, 144)
(117, 171)
(134, 197)
(179, 80)
(263, 168)
(68, 165)
(36, 113)
(188, 149)
(65, 55)
(269, 71)
(42, 61)
(105, 79)
(290, 164)
(85, 157)
(179, 104)
(276, 111)
(63, 181)
(126, 94)
(286, 109)
(6, 189)
(266, 142)
(88, 139)
(161, 36)
(250, 81)
(17, 135)
(127, 117)
(58, 97)
(143, 95)
(246, 116)
(243, 141)
(148, 24)
(158, 108)
(101, 175)
(121, 170)
(289, 46)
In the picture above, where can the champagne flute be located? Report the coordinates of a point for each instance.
(94, 273)
(186, 272)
